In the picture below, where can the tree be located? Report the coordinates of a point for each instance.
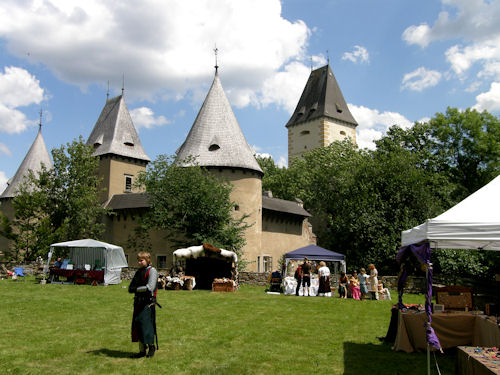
(59, 204)
(465, 145)
(191, 205)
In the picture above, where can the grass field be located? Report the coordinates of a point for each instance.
(70, 329)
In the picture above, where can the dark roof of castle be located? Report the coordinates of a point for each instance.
(281, 205)
(130, 200)
(321, 98)
(140, 200)
(114, 132)
(216, 139)
(37, 154)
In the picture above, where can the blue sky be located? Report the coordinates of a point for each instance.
(396, 61)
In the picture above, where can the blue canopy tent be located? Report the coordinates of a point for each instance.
(314, 252)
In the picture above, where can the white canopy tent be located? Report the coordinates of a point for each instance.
(88, 251)
(474, 223)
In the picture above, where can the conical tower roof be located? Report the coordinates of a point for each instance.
(33, 160)
(321, 98)
(216, 139)
(114, 132)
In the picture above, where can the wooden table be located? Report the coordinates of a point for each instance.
(452, 329)
(477, 361)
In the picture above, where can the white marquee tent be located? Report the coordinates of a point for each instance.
(474, 223)
(87, 251)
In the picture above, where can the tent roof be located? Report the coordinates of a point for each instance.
(474, 223)
(86, 243)
(314, 252)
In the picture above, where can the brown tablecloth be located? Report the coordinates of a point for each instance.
(476, 361)
(452, 329)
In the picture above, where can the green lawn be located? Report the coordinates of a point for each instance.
(70, 329)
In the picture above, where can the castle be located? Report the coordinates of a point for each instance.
(216, 140)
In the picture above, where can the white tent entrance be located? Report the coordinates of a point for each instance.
(88, 254)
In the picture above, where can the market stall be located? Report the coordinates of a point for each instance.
(207, 263)
(90, 259)
(472, 224)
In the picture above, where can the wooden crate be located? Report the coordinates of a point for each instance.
(224, 286)
(454, 297)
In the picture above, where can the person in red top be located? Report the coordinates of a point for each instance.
(144, 285)
(298, 277)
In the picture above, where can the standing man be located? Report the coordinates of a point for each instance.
(144, 285)
(298, 277)
(306, 277)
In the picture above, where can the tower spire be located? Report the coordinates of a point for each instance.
(216, 50)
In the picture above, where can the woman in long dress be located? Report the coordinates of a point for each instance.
(373, 282)
(324, 280)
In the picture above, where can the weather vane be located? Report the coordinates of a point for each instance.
(40, 123)
(107, 93)
(327, 57)
(215, 52)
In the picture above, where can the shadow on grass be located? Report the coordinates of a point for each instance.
(111, 353)
(381, 359)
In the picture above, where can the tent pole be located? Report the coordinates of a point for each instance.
(428, 346)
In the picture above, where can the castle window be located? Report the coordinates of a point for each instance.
(161, 261)
(213, 147)
(97, 144)
(236, 207)
(129, 144)
(339, 108)
(267, 263)
(342, 132)
(128, 183)
(304, 132)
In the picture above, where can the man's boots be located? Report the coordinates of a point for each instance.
(151, 351)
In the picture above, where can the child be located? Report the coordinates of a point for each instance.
(362, 283)
(144, 285)
(383, 293)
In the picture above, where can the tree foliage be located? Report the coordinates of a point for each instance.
(59, 204)
(361, 200)
(191, 205)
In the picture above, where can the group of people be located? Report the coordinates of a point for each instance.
(358, 286)
(361, 285)
(303, 277)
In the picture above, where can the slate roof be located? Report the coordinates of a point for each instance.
(281, 205)
(37, 154)
(216, 139)
(140, 200)
(114, 132)
(321, 98)
(130, 200)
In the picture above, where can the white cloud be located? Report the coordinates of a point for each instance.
(373, 124)
(284, 87)
(419, 35)
(475, 24)
(420, 79)
(4, 149)
(144, 117)
(3, 181)
(163, 48)
(282, 162)
(18, 88)
(359, 54)
(490, 100)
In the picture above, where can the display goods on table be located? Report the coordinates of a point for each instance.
(477, 360)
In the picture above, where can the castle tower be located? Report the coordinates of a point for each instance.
(120, 152)
(321, 116)
(218, 144)
(36, 157)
